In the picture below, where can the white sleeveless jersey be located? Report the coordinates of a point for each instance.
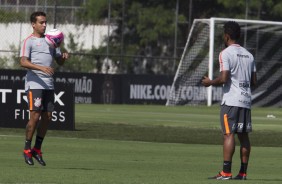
(39, 53)
(240, 63)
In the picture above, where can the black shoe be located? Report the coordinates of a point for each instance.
(37, 154)
(241, 176)
(222, 176)
(28, 157)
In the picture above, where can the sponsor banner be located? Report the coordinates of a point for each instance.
(14, 113)
(140, 89)
(83, 83)
(92, 88)
(199, 94)
(88, 88)
(125, 89)
(143, 89)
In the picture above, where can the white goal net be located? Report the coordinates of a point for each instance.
(200, 58)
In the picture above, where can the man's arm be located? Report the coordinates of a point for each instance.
(221, 79)
(254, 79)
(26, 63)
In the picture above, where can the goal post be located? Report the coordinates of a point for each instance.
(200, 58)
(211, 56)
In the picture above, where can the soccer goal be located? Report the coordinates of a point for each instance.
(200, 58)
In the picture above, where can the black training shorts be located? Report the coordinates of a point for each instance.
(235, 119)
(40, 100)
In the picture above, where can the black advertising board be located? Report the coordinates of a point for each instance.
(14, 113)
(108, 88)
(139, 89)
(93, 88)
(88, 88)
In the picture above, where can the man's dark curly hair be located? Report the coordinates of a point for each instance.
(232, 28)
(36, 14)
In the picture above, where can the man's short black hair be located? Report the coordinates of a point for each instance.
(33, 16)
(233, 29)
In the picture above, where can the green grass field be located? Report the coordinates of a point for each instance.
(142, 144)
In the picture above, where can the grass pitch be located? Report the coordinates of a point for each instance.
(135, 144)
(184, 124)
(78, 161)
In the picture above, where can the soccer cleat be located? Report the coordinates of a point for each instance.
(37, 154)
(28, 157)
(241, 176)
(222, 176)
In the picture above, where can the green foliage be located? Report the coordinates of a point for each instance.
(8, 16)
(77, 62)
(147, 28)
(93, 11)
(15, 58)
(4, 62)
(97, 10)
(152, 23)
(257, 9)
(277, 10)
(145, 24)
(12, 61)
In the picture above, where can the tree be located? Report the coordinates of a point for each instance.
(257, 9)
(8, 17)
(144, 28)
(147, 28)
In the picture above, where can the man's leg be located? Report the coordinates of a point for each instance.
(41, 132)
(227, 120)
(30, 129)
(44, 124)
(228, 151)
(31, 125)
(245, 151)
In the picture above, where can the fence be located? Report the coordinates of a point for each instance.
(83, 41)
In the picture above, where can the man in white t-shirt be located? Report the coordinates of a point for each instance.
(38, 58)
(237, 75)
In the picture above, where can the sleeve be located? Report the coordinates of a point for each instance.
(26, 48)
(224, 61)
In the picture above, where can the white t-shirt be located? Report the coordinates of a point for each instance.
(240, 63)
(38, 52)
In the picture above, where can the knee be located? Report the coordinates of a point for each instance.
(245, 144)
(49, 117)
(30, 126)
(228, 136)
(34, 116)
(244, 140)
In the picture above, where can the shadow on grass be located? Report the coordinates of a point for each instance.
(151, 133)
(165, 134)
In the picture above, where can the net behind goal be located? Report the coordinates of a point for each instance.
(200, 58)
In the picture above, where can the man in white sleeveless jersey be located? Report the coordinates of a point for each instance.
(38, 58)
(237, 75)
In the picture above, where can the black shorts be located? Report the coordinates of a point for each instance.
(40, 100)
(235, 119)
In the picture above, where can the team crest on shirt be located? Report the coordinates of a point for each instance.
(37, 102)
